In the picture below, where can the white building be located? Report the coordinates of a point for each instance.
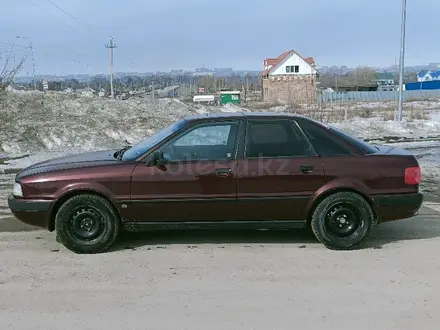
(289, 78)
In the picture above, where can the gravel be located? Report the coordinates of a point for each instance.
(199, 280)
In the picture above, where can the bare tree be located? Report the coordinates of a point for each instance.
(363, 76)
(10, 67)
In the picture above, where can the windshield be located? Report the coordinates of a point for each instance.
(143, 146)
(362, 145)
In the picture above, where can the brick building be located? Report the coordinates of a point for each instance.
(289, 78)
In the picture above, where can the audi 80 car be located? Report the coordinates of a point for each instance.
(229, 170)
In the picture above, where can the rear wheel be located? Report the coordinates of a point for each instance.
(87, 224)
(342, 221)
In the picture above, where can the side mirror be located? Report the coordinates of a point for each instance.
(157, 159)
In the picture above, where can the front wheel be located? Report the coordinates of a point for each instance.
(87, 224)
(342, 221)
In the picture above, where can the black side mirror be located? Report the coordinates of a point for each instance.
(157, 159)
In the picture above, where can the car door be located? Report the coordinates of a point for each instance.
(198, 181)
(278, 172)
(335, 150)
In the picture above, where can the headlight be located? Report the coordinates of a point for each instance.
(17, 191)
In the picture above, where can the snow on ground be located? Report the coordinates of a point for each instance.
(378, 129)
(45, 126)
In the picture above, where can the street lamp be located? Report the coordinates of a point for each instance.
(402, 60)
(33, 58)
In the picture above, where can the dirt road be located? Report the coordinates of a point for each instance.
(202, 280)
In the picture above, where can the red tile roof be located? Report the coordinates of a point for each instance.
(310, 60)
(274, 61)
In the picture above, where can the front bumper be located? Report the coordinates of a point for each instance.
(32, 212)
(399, 206)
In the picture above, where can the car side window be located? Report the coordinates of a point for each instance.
(205, 135)
(321, 141)
(275, 139)
(208, 142)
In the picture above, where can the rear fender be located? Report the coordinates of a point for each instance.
(340, 184)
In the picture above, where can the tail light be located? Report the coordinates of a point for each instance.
(413, 175)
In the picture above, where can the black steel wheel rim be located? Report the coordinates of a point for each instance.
(87, 223)
(342, 219)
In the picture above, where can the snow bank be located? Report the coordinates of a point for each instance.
(372, 129)
(32, 123)
(48, 125)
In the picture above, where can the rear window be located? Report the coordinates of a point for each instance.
(326, 144)
(358, 143)
(322, 142)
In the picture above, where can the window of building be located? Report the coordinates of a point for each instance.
(292, 68)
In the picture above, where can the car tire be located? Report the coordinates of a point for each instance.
(87, 224)
(342, 221)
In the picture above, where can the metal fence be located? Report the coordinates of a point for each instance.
(378, 96)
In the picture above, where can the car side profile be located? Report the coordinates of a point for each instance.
(228, 170)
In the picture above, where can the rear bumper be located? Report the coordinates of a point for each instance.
(32, 212)
(396, 207)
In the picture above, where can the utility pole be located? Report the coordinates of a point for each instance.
(31, 47)
(152, 86)
(402, 61)
(111, 46)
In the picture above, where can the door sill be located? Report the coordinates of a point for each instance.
(139, 226)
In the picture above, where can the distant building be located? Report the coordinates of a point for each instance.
(289, 78)
(223, 72)
(385, 81)
(424, 75)
(202, 72)
(86, 91)
(435, 75)
(426, 79)
(177, 72)
(102, 93)
(45, 85)
(428, 75)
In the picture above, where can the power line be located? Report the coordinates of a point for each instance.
(13, 44)
(68, 14)
(86, 25)
(62, 58)
(44, 53)
(55, 17)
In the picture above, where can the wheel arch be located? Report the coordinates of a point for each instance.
(68, 195)
(318, 199)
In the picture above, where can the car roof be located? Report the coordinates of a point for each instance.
(242, 115)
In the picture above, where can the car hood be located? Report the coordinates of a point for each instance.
(83, 160)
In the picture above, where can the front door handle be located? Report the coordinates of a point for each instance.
(223, 171)
(306, 169)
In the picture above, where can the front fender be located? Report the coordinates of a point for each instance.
(340, 184)
(85, 186)
(74, 188)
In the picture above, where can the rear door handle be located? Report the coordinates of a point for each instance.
(306, 169)
(223, 171)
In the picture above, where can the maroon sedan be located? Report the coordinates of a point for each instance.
(235, 170)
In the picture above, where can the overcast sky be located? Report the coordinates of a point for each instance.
(184, 34)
